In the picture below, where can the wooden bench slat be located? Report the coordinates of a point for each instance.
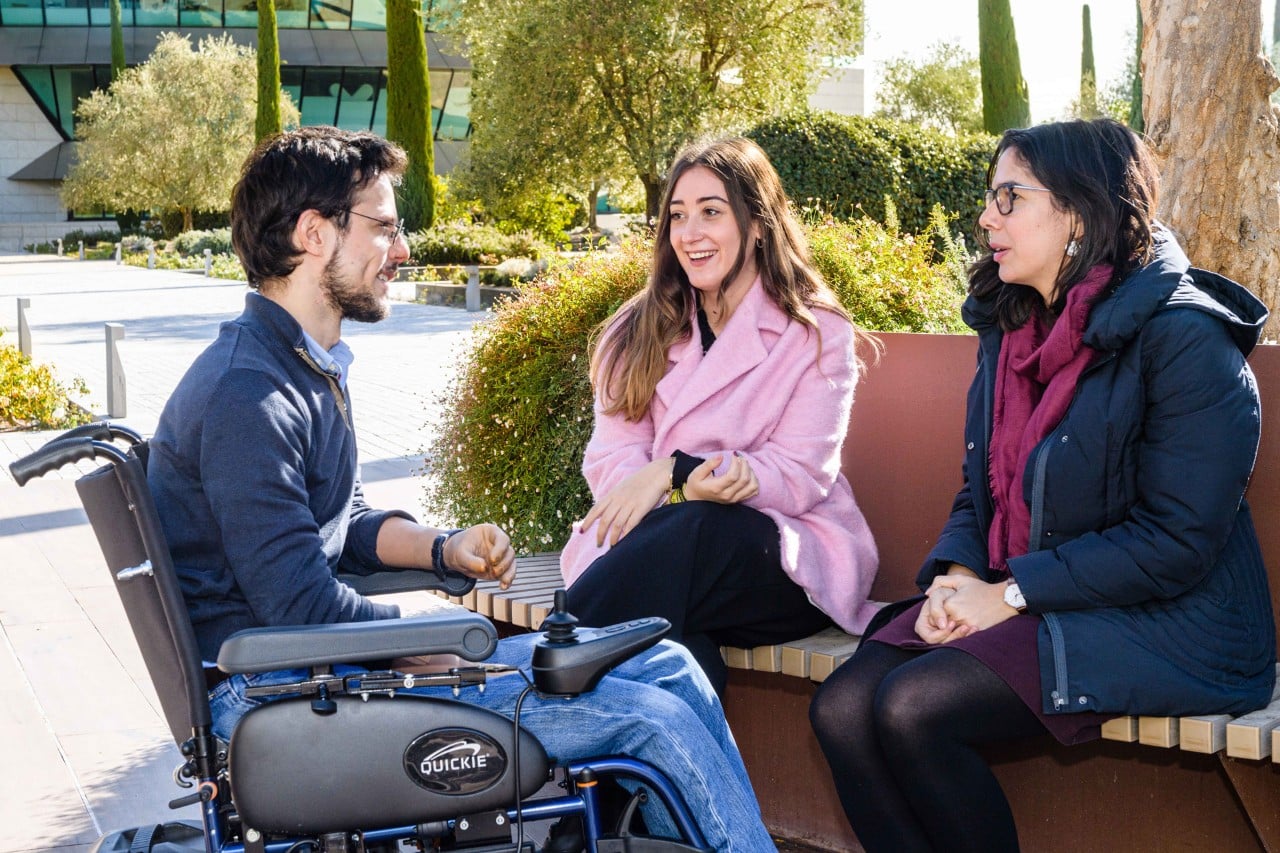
(1158, 731)
(1123, 729)
(1249, 736)
(1207, 734)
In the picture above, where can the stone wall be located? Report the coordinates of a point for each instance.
(30, 211)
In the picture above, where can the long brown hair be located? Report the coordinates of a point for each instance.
(629, 350)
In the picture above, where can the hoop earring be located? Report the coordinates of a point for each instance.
(1073, 248)
(759, 242)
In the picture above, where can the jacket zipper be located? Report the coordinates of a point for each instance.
(1060, 692)
(338, 396)
(1059, 695)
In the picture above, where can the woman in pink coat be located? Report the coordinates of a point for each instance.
(722, 395)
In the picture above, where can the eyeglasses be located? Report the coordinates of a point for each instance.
(397, 228)
(1004, 195)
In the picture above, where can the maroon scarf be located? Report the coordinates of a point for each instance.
(1036, 378)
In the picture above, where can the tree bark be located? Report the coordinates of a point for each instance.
(1209, 118)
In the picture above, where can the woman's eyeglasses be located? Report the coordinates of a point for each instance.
(396, 228)
(1004, 195)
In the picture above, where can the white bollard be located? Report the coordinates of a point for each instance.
(82, 250)
(115, 372)
(24, 326)
(473, 288)
(59, 247)
(151, 258)
(118, 252)
(208, 263)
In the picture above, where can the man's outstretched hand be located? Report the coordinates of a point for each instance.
(483, 552)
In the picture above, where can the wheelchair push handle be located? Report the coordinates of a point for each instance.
(62, 451)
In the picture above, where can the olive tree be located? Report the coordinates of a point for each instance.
(171, 133)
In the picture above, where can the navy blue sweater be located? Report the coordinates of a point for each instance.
(253, 467)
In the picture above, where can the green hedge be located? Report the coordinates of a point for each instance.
(218, 241)
(848, 165)
(516, 418)
(461, 243)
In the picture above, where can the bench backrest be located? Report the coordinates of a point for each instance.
(903, 452)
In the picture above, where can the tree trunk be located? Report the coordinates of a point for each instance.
(652, 198)
(1218, 145)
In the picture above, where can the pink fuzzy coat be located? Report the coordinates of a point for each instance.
(761, 391)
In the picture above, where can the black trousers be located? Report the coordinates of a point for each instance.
(712, 570)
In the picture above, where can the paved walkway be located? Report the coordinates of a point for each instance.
(83, 747)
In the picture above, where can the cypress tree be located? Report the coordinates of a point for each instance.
(1136, 122)
(1088, 71)
(409, 109)
(1005, 102)
(268, 122)
(117, 41)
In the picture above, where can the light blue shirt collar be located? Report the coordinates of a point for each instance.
(335, 361)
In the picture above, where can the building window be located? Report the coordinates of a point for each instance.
(351, 98)
(58, 88)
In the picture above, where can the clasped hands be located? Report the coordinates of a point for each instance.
(959, 604)
(621, 509)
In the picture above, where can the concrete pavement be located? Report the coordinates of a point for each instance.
(83, 747)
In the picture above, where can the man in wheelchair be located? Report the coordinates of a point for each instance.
(253, 469)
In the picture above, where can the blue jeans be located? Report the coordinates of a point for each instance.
(656, 707)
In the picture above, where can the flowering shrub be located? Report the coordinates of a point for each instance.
(516, 418)
(31, 397)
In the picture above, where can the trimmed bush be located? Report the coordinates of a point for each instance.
(195, 242)
(462, 243)
(832, 160)
(849, 165)
(31, 397)
(514, 422)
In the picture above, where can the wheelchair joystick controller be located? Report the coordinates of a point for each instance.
(569, 660)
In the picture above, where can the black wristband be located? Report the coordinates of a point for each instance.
(683, 467)
(437, 550)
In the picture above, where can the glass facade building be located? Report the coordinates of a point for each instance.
(333, 63)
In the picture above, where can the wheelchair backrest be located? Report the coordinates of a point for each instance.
(123, 515)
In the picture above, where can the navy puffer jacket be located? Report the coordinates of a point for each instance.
(1143, 559)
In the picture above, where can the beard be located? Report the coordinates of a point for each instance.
(352, 301)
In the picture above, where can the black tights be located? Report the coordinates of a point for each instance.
(899, 728)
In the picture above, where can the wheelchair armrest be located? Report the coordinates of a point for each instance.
(408, 580)
(467, 635)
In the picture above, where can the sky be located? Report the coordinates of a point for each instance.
(1049, 40)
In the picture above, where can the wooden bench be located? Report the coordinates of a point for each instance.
(1211, 787)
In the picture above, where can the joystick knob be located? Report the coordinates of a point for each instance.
(560, 624)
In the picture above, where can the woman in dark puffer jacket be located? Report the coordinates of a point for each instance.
(1100, 558)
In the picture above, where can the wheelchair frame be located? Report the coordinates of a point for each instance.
(122, 513)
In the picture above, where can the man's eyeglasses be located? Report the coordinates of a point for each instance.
(396, 228)
(1004, 195)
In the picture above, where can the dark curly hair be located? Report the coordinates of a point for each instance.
(311, 168)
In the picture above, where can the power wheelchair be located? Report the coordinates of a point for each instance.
(352, 763)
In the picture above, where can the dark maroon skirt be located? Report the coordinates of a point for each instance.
(1009, 650)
